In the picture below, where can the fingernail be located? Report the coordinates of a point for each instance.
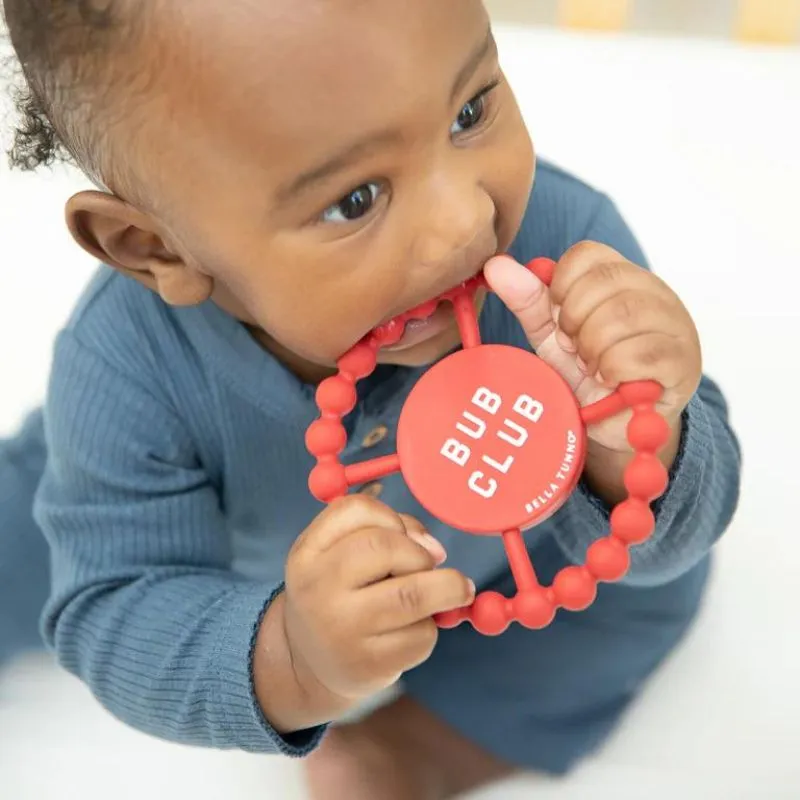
(525, 275)
(523, 279)
(433, 546)
(473, 590)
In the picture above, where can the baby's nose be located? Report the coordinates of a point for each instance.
(465, 260)
(458, 226)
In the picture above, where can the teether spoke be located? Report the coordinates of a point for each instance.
(373, 470)
(467, 317)
(628, 395)
(603, 409)
(519, 561)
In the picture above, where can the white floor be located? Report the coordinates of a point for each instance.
(698, 144)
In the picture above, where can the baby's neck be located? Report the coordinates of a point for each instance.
(304, 370)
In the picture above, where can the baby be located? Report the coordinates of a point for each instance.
(276, 179)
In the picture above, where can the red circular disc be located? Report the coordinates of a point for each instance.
(491, 439)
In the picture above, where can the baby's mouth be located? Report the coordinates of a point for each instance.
(424, 322)
(416, 326)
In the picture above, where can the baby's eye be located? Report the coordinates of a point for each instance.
(470, 115)
(353, 206)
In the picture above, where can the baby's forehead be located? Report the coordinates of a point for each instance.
(320, 59)
(280, 46)
(286, 82)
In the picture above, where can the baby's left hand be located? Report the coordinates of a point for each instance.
(605, 321)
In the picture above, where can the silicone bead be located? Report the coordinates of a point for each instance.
(543, 268)
(575, 588)
(390, 333)
(450, 619)
(424, 311)
(359, 362)
(489, 614)
(534, 610)
(648, 431)
(327, 482)
(632, 521)
(325, 437)
(641, 393)
(645, 477)
(337, 395)
(608, 559)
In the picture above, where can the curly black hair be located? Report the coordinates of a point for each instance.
(60, 46)
(36, 142)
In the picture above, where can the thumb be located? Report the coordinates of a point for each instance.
(417, 533)
(524, 294)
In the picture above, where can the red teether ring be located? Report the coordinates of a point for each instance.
(492, 441)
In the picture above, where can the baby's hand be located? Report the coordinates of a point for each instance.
(605, 321)
(361, 591)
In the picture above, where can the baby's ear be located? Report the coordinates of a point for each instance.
(123, 237)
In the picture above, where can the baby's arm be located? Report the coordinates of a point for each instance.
(705, 476)
(146, 610)
(144, 606)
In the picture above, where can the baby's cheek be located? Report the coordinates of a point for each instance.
(512, 184)
(321, 329)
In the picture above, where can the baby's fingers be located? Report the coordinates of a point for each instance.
(399, 602)
(649, 356)
(417, 533)
(524, 295)
(626, 315)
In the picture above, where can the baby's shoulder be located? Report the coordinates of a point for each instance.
(123, 324)
(110, 297)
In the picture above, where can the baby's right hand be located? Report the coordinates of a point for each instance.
(361, 590)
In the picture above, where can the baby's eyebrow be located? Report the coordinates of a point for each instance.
(471, 65)
(353, 151)
(336, 163)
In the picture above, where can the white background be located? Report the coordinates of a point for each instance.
(698, 143)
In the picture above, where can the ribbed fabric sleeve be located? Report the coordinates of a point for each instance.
(144, 607)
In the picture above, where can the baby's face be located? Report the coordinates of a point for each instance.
(334, 163)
